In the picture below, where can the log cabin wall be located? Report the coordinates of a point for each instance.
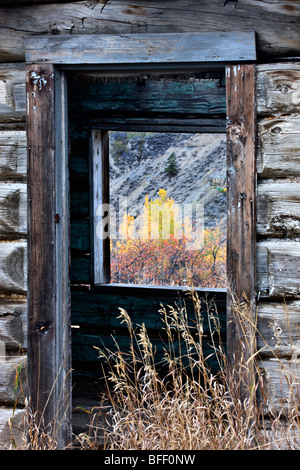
(278, 267)
(278, 165)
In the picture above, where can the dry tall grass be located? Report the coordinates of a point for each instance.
(179, 404)
(186, 407)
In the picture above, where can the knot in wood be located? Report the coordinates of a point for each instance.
(42, 328)
(276, 130)
(284, 89)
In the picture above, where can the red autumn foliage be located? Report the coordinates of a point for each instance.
(168, 261)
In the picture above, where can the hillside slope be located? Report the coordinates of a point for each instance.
(138, 162)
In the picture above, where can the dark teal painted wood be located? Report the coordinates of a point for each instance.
(191, 96)
(87, 361)
(80, 235)
(96, 314)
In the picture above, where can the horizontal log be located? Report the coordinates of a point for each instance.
(276, 24)
(278, 146)
(9, 393)
(13, 154)
(278, 324)
(278, 209)
(278, 269)
(13, 273)
(38, 2)
(278, 88)
(13, 323)
(13, 209)
(11, 332)
(12, 94)
(281, 385)
(12, 428)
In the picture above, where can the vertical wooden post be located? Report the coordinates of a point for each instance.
(99, 200)
(241, 222)
(48, 299)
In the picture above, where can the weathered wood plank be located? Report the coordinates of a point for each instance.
(86, 357)
(13, 209)
(278, 88)
(99, 307)
(278, 269)
(95, 312)
(48, 301)
(47, 89)
(278, 324)
(41, 238)
(195, 96)
(276, 24)
(241, 217)
(99, 199)
(281, 385)
(278, 146)
(157, 48)
(162, 124)
(278, 209)
(13, 274)
(12, 94)
(13, 154)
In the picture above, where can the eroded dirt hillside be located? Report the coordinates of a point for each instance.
(138, 163)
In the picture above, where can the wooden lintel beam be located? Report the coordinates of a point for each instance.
(159, 48)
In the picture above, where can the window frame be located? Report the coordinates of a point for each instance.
(48, 58)
(100, 271)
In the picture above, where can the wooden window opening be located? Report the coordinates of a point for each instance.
(48, 61)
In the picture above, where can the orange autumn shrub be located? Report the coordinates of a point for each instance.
(160, 257)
